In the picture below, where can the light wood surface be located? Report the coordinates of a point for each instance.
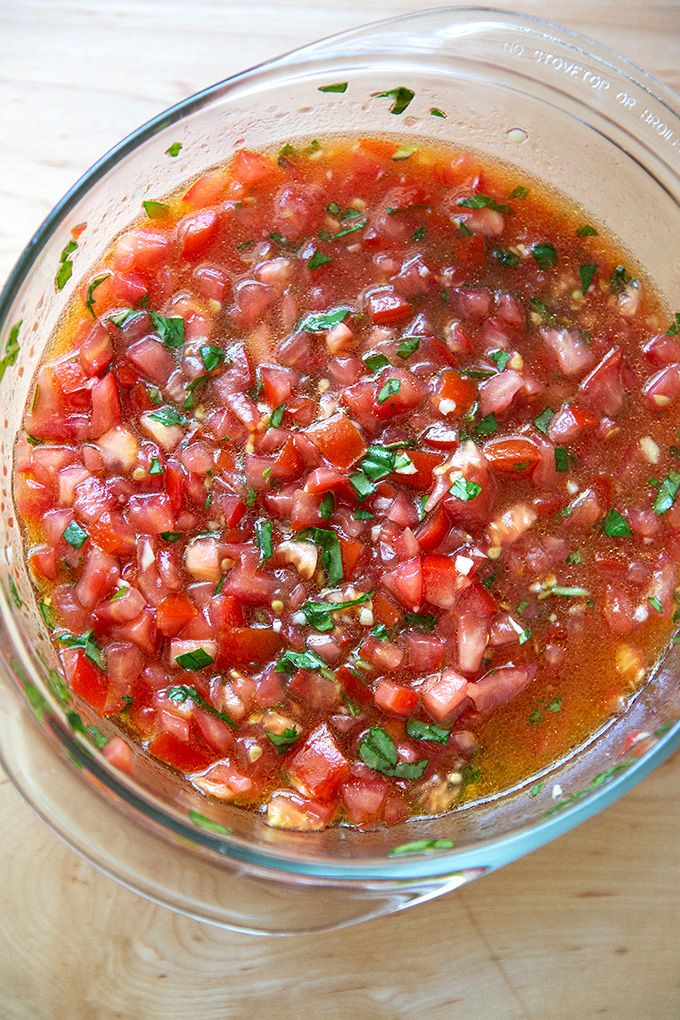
(586, 927)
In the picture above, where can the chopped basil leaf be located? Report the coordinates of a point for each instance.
(519, 192)
(500, 359)
(85, 642)
(524, 636)
(374, 362)
(65, 271)
(401, 97)
(286, 150)
(119, 319)
(266, 472)
(47, 613)
(421, 846)
(308, 659)
(616, 525)
(155, 210)
(251, 496)
(426, 731)
(119, 593)
(172, 536)
(334, 209)
(436, 112)
(276, 417)
(655, 603)
(75, 535)
(542, 309)
(197, 659)
(574, 558)
(380, 632)
(408, 346)
(378, 462)
(487, 425)
(674, 329)
(319, 322)
(318, 614)
(481, 201)
(362, 484)
(263, 539)
(404, 151)
(207, 823)
(618, 279)
(564, 592)
(244, 245)
(586, 231)
(174, 149)
(212, 357)
(358, 224)
(169, 329)
(475, 373)
(283, 741)
(11, 349)
(423, 621)
(545, 254)
(331, 556)
(561, 459)
(464, 230)
(667, 493)
(390, 389)
(465, 490)
(506, 258)
(182, 693)
(586, 274)
(318, 259)
(419, 234)
(363, 515)
(168, 416)
(544, 420)
(327, 506)
(338, 86)
(379, 752)
(89, 301)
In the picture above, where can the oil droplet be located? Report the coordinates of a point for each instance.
(516, 135)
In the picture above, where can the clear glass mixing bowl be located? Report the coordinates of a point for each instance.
(546, 99)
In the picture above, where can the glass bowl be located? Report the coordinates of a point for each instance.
(517, 88)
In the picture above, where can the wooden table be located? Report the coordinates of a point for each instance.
(586, 927)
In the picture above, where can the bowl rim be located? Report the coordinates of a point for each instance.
(497, 850)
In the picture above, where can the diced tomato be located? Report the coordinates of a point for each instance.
(339, 440)
(180, 755)
(196, 232)
(405, 582)
(173, 613)
(319, 767)
(443, 694)
(455, 393)
(603, 390)
(243, 646)
(88, 681)
(119, 754)
(207, 190)
(395, 392)
(106, 410)
(350, 551)
(442, 583)
(385, 611)
(512, 455)
(391, 697)
(569, 423)
(433, 530)
(387, 308)
(422, 478)
(500, 685)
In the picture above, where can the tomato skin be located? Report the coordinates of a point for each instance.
(243, 646)
(351, 551)
(180, 755)
(319, 766)
(512, 455)
(173, 613)
(386, 308)
(433, 530)
(196, 232)
(88, 682)
(338, 440)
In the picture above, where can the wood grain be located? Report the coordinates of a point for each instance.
(585, 927)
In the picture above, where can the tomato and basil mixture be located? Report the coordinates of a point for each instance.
(350, 481)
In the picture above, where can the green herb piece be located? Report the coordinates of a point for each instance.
(318, 259)
(506, 258)
(378, 462)
(423, 621)
(169, 329)
(285, 151)
(86, 642)
(667, 493)
(379, 752)
(320, 322)
(374, 362)
(167, 416)
(338, 86)
(206, 823)
(674, 329)
(500, 359)
(521, 606)
(89, 300)
(331, 557)
(283, 741)
(244, 245)
(75, 535)
(555, 705)
(471, 773)
(60, 689)
(266, 472)
(419, 234)
(618, 280)
(172, 536)
(655, 603)
(574, 558)
(155, 467)
(561, 459)
(408, 346)
(542, 309)
(290, 661)
(156, 210)
(212, 357)
(536, 789)
(182, 693)
(401, 97)
(174, 150)
(487, 425)
(119, 593)
(362, 484)
(436, 112)
(586, 274)
(524, 636)
(421, 846)
(263, 539)
(519, 192)
(404, 151)
(380, 632)
(481, 201)
(327, 506)
(464, 230)
(390, 389)
(427, 731)
(16, 597)
(545, 254)
(198, 659)
(48, 615)
(358, 224)
(586, 231)
(535, 717)
(544, 420)
(65, 270)
(465, 490)
(220, 586)
(251, 496)
(564, 592)
(276, 417)
(318, 614)
(616, 526)
(334, 209)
